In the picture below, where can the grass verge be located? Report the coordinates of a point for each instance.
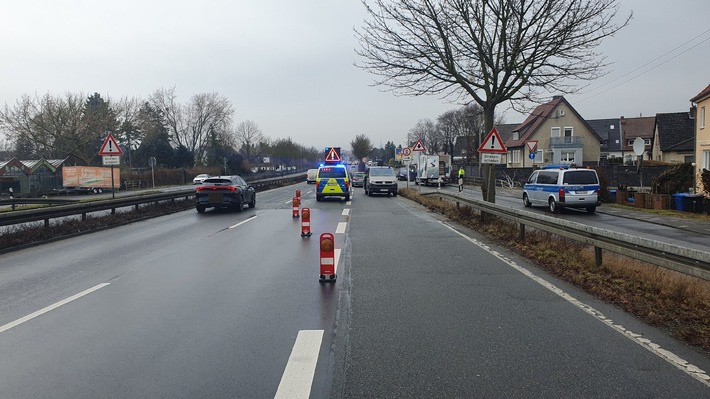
(674, 302)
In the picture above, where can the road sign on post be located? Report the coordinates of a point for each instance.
(493, 143)
(110, 146)
(419, 146)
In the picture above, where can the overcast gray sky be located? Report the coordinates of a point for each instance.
(288, 64)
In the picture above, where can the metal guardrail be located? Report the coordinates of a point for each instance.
(47, 213)
(681, 259)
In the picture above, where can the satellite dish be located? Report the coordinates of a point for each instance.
(639, 146)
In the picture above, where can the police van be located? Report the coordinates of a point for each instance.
(563, 187)
(333, 180)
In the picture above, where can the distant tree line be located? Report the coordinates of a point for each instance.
(198, 133)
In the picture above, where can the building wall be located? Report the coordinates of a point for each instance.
(702, 143)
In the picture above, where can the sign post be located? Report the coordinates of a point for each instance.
(419, 147)
(492, 144)
(111, 151)
(407, 159)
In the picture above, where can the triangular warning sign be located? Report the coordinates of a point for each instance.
(419, 146)
(110, 147)
(532, 145)
(332, 156)
(492, 143)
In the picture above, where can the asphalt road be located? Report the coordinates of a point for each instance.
(228, 304)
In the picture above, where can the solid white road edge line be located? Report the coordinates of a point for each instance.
(297, 378)
(242, 222)
(666, 355)
(341, 228)
(51, 307)
(336, 254)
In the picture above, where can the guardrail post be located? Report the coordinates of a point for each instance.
(46, 222)
(598, 256)
(113, 211)
(521, 232)
(83, 216)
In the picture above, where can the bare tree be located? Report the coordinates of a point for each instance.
(248, 136)
(207, 116)
(426, 131)
(493, 51)
(53, 125)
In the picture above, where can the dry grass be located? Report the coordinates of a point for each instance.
(675, 302)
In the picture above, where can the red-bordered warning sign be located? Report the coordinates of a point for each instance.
(532, 145)
(110, 147)
(493, 143)
(333, 155)
(419, 146)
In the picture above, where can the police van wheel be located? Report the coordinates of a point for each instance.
(526, 201)
(318, 198)
(553, 206)
(591, 209)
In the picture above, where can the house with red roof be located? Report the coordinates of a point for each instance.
(558, 134)
(631, 128)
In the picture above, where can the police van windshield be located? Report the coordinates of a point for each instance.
(580, 177)
(381, 172)
(329, 173)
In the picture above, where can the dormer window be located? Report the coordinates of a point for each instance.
(516, 135)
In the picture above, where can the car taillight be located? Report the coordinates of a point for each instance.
(562, 195)
(347, 185)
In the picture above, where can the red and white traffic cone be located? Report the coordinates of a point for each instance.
(327, 257)
(298, 195)
(305, 222)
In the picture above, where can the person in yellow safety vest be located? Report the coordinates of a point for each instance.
(461, 173)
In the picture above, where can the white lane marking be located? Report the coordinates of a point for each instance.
(51, 307)
(289, 201)
(341, 228)
(346, 212)
(348, 203)
(242, 222)
(666, 355)
(297, 378)
(337, 260)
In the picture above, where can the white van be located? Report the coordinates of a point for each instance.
(311, 175)
(563, 187)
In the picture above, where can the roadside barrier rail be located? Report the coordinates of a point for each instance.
(689, 261)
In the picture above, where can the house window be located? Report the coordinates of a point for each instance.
(702, 117)
(567, 157)
(706, 159)
(555, 132)
(515, 156)
(516, 135)
(646, 142)
(539, 157)
(568, 135)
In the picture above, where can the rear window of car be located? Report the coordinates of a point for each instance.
(218, 182)
(580, 177)
(360, 174)
(331, 173)
(381, 172)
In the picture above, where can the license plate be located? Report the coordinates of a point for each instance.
(215, 198)
(383, 189)
(331, 184)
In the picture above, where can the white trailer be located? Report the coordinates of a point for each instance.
(433, 169)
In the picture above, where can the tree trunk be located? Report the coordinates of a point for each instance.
(488, 188)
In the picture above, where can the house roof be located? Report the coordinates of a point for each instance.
(702, 95)
(610, 132)
(631, 128)
(539, 115)
(676, 131)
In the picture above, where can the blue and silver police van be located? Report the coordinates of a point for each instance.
(563, 187)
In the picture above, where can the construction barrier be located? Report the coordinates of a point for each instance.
(305, 222)
(295, 208)
(327, 257)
